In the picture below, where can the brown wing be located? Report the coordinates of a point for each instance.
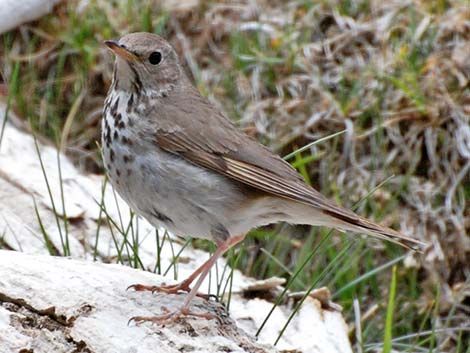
(190, 126)
(193, 128)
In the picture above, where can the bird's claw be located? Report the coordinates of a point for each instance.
(169, 289)
(138, 287)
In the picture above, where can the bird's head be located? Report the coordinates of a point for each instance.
(145, 62)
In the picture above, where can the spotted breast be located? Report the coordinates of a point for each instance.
(155, 183)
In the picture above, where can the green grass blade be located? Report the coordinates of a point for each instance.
(49, 245)
(51, 198)
(14, 84)
(64, 213)
(367, 275)
(292, 279)
(331, 265)
(316, 142)
(175, 257)
(387, 346)
(100, 214)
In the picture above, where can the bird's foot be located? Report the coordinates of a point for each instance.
(169, 289)
(170, 317)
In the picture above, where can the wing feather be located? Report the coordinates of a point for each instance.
(204, 136)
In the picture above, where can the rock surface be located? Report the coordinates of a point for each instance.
(56, 304)
(14, 13)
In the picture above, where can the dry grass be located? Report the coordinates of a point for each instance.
(394, 74)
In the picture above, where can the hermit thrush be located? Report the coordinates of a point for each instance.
(181, 163)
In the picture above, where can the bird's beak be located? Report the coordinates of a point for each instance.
(120, 50)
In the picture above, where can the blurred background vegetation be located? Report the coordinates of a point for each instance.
(393, 74)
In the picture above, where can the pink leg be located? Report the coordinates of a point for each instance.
(204, 271)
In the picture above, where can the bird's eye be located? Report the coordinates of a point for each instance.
(155, 58)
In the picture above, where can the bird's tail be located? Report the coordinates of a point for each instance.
(331, 215)
(349, 221)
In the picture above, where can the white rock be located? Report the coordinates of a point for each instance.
(14, 13)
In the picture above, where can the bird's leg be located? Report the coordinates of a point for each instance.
(204, 270)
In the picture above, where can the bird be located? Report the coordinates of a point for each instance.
(183, 165)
